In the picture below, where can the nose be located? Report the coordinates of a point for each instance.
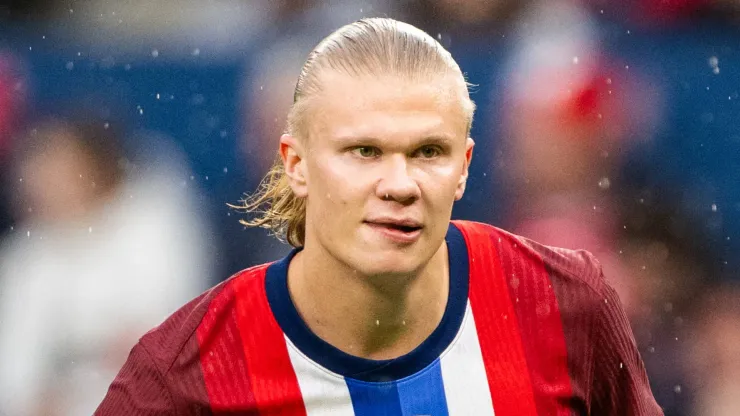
(395, 183)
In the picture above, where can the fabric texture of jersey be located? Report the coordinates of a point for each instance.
(527, 330)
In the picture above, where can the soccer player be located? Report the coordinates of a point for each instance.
(386, 306)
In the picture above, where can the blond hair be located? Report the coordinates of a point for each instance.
(376, 46)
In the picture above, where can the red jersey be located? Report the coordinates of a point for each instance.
(528, 330)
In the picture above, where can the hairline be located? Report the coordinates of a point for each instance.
(300, 108)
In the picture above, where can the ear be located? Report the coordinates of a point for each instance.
(291, 152)
(460, 190)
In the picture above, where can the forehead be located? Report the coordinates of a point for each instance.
(387, 106)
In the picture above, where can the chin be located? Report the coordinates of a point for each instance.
(387, 263)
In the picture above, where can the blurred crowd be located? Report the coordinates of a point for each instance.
(126, 129)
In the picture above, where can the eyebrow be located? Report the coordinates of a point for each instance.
(370, 140)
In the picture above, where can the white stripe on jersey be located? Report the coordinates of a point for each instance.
(464, 373)
(324, 393)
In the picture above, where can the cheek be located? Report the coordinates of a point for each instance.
(440, 182)
(334, 183)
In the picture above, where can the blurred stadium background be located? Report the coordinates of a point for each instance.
(127, 126)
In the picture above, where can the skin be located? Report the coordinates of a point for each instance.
(393, 148)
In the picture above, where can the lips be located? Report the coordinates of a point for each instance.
(402, 224)
(399, 230)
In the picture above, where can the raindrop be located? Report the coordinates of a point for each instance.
(604, 183)
(43, 37)
(715, 70)
(127, 67)
(196, 52)
(11, 228)
(621, 365)
(106, 126)
(625, 67)
(141, 111)
(439, 36)
(651, 350)
(28, 234)
(158, 96)
(609, 81)
(155, 53)
(377, 322)
(575, 60)
(192, 177)
(514, 282)
(20, 180)
(226, 170)
(628, 32)
(89, 229)
(70, 65)
(714, 207)
(206, 177)
(677, 389)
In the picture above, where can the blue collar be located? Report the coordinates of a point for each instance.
(330, 357)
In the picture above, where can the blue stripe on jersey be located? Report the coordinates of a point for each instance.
(374, 399)
(424, 394)
(421, 394)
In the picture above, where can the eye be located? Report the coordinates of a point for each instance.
(366, 152)
(429, 152)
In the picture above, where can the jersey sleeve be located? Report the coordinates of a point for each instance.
(620, 383)
(139, 389)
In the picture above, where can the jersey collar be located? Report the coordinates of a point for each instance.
(337, 361)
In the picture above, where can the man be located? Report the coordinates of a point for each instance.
(385, 307)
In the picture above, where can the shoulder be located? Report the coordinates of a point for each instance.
(570, 268)
(176, 338)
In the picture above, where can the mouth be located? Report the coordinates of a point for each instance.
(401, 231)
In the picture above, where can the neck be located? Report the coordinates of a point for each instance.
(374, 317)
